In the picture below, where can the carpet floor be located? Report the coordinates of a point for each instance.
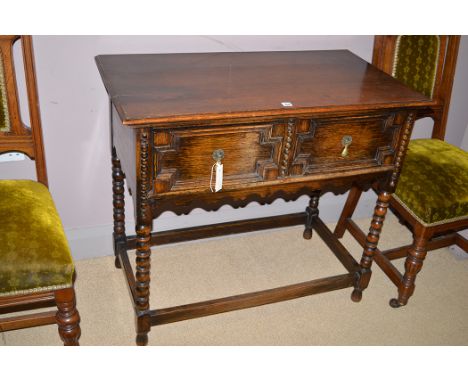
(437, 314)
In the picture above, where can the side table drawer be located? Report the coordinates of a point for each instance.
(183, 157)
(270, 152)
(337, 144)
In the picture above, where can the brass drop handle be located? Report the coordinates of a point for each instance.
(346, 142)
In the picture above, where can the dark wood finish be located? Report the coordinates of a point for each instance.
(125, 139)
(350, 206)
(370, 246)
(27, 321)
(9, 304)
(461, 242)
(118, 192)
(318, 145)
(435, 243)
(253, 155)
(288, 189)
(384, 258)
(28, 140)
(127, 267)
(426, 238)
(143, 240)
(383, 58)
(337, 248)
(34, 112)
(170, 112)
(220, 229)
(249, 300)
(413, 265)
(381, 260)
(161, 89)
(380, 211)
(18, 130)
(312, 213)
(67, 316)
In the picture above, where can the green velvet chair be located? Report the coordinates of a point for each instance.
(36, 266)
(431, 197)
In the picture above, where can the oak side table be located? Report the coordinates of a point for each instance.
(278, 124)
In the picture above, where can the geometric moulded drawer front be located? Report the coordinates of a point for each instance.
(183, 157)
(263, 152)
(320, 144)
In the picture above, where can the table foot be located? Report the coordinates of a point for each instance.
(143, 327)
(142, 339)
(307, 234)
(356, 295)
(394, 303)
(117, 263)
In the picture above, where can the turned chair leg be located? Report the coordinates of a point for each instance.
(312, 213)
(68, 318)
(118, 196)
(413, 264)
(348, 210)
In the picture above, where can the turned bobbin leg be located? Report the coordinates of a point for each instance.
(67, 317)
(118, 196)
(413, 265)
(312, 213)
(143, 242)
(143, 257)
(363, 276)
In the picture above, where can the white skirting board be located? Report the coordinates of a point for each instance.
(90, 242)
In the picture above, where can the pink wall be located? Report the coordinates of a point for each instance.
(75, 110)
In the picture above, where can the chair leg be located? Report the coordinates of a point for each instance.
(67, 317)
(413, 265)
(462, 242)
(348, 210)
(312, 212)
(118, 193)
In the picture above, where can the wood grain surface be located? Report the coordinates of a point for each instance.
(159, 88)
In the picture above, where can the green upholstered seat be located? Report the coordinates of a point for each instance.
(34, 252)
(433, 183)
(415, 62)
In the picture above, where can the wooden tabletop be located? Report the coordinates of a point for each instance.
(158, 88)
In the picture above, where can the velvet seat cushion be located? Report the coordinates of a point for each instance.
(433, 184)
(34, 252)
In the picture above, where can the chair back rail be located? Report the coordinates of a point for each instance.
(15, 136)
(384, 54)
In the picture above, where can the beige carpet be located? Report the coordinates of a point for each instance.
(436, 315)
